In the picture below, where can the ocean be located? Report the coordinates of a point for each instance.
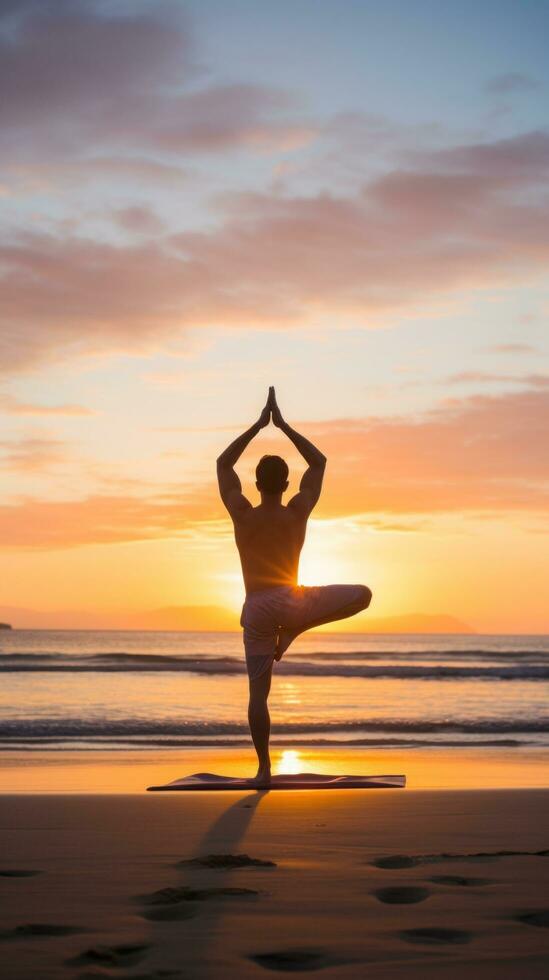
(114, 690)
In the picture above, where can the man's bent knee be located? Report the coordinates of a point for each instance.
(365, 597)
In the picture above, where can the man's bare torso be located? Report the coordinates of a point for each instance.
(269, 541)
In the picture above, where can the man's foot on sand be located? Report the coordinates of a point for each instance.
(262, 778)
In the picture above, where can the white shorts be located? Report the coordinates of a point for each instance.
(292, 607)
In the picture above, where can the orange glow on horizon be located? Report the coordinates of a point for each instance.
(448, 566)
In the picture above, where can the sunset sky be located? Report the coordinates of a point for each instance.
(346, 199)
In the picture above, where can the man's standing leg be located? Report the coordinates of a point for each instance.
(260, 724)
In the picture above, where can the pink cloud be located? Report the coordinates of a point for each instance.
(138, 219)
(31, 455)
(525, 155)
(43, 176)
(71, 60)
(531, 380)
(101, 519)
(510, 348)
(482, 453)
(404, 241)
(13, 406)
(78, 81)
(73, 77)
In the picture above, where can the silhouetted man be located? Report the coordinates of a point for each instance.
(269, 539)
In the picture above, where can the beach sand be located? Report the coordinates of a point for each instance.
(92, 884)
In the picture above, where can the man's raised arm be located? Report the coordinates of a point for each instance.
(311, 481)
(230, 486)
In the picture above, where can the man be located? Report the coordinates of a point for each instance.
(269, 539)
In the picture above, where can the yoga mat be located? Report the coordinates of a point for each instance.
(302, 780)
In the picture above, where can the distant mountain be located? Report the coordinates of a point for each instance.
(209, 618)
(415, 623)
(5, 626)
(212, 618)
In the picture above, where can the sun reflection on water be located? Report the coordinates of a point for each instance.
(289, 762)
(289, 693)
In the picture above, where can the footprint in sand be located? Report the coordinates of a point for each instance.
(396, 861)
(295, 960)
(172, 896)
(11, 873)
(170, 913)
(123, 955)
(150, 975)
(436, 936)
(460, 881)
(412, 860)
(226, 861)
(170, 904)
(539, 918)
(40, 929)
(402, 895)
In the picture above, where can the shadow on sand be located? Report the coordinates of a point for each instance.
(204, 891)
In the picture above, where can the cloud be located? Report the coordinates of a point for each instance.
(405, 241)
(482, 453)
(523, 156)
(74, 76)
(102, 519)
(69, 61)
(13, 406)
(138, 219)
(21, 178)
(534, 380)
(88, 87)
(511, 82)
(31, 455)
(66, 295)
(510, 349)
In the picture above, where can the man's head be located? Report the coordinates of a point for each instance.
(271, 475)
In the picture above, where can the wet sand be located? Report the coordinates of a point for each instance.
(74, 771)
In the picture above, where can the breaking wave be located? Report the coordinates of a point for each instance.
(57, 728)
(532, 667)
